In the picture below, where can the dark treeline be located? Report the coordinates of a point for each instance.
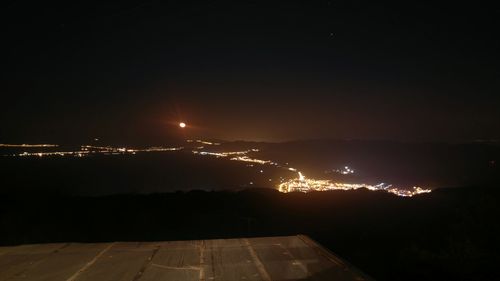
(449, 234)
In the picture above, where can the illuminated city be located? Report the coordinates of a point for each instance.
(297, 183)
(303, 184)
(87, 150)
(27, 145)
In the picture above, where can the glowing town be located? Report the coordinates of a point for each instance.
(299, 183)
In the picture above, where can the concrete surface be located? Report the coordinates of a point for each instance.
(266, 258)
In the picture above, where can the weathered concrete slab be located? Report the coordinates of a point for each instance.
(17, 260)
(266, 258)
(64, 263)
(126, 260)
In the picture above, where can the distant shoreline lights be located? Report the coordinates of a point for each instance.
(296, 184)
(24, 145)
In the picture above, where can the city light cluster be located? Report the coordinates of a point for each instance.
(347, 171)
(296, 184)
(225, 154)
(86, 150)
(239, 156)
(252, 160)
(204, 142)
(344, 171)
(303, 184)
(79, 153)
(27, 145)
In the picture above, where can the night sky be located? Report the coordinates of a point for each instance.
(249, 70)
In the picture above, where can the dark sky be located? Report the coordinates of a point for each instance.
(252, 70)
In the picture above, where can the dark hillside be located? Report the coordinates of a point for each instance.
(447, 234)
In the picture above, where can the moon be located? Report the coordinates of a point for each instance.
(182, 125)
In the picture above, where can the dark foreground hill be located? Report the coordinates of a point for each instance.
(450, 234)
